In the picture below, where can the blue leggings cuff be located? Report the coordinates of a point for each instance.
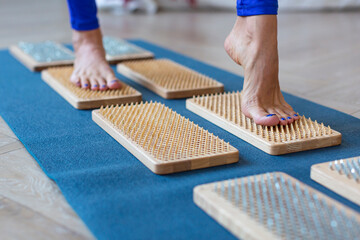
(244, 11)
(85, 25)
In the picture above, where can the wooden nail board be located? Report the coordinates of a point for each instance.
(168, 79)
(58, 78)
(276, 206)
(163, 140)
(224, 110)
(39, 56)
(341, 176)
(118, 50)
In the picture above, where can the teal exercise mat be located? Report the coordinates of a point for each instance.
(114, 193)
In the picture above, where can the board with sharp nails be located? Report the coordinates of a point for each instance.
(276, 206)
(341, 176)
(224, 110)
(41, 55)
(163, 140)
(118, 50)
(58, 78)
(169, 79)
(38, 56)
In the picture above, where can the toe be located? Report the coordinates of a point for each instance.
(290, 119)
(283, 121)
(283, 116)
(85, 83)
(295, 115)
(290, 112)
(75, 80)
(94, 84)
(262, 117)
(113, 82)
(103, 86)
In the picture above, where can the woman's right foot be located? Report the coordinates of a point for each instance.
(91, 70)
(252, 43)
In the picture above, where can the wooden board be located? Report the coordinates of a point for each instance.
(118, 50)
(59, 79)
(112, 45)
(224, 110)
(276, 206)
(35, 65)
(163, 140)
(169, 79)
(341, 176)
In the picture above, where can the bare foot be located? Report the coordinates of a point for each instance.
(252, 43)
(91, 70)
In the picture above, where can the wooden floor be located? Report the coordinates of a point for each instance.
(319, 61)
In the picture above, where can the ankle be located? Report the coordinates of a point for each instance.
(90, 40)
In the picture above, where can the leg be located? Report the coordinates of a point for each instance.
(252, 43)
(91, 69)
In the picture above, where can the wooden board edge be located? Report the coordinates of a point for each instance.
(325, 178)
(138, 78)
(272, 149)
(35, 66)
(241, 226)
(128, 145)
(186, 93)
(60, 89)
(87, 104)
(23, 58)
(200, 201)
(122, 58)
(166, 93)
(162, 168)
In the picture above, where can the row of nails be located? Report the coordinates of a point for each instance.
(349, 167)
(289, 210)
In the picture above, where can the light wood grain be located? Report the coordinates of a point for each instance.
(20, 222)
(169, 79)
(163, 140)
(224, 110)
(215, 200)
(59, 79)
(34, 65)
(23, 181)
(13, 145)
(344, 185)
(5, 130)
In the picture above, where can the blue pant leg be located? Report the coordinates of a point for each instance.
(83, 14)
(256, 7)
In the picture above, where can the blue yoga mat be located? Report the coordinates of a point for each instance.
(114, 193)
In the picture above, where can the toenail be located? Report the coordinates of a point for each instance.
(104, 86)
(270, 115)
(288, 117)
(283, 119)
(95, 85)
(86, 84)
(295, 115)
(115, 80)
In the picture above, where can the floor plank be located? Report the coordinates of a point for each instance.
(23, 181)
(20, 222)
